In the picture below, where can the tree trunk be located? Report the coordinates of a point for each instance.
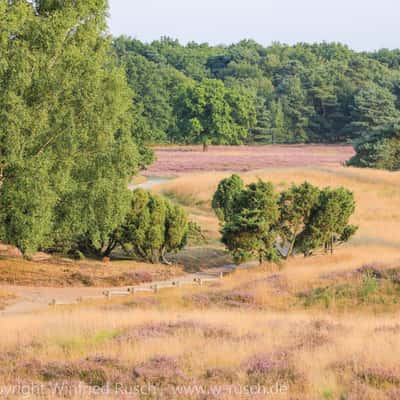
(163, 259)
(110, 248)
(205, 147)
(291, 247)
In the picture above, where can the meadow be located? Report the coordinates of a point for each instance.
(324, 327)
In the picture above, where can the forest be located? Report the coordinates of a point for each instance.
(248, 93)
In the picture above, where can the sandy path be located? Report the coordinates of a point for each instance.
(33, 299)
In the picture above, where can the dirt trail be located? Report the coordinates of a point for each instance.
(33, 299)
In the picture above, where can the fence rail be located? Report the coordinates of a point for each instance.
(201, 279)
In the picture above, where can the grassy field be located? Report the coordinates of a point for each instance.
(63, 272)
(5, 298)
(251, 330)
(325, 327)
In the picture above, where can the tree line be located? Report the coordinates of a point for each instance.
(256, 221)
(248, 93)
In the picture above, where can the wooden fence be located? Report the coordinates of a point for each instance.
(200, 279)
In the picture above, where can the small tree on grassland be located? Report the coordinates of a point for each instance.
(329, 221)
(379, 148)
(295, 206)
(255, 221)
(250, 230)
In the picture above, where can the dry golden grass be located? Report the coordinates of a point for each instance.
(323, 354)
(57, 272)
(211, 333)
(5, 298)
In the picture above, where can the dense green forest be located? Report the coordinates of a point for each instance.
(249, 93)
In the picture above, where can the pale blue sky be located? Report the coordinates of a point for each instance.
(362, 24)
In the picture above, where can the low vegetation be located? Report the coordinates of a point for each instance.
(175, 161)
(63, 272)
(158, 339)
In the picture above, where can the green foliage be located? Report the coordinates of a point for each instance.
(257, 222)
(209, 113)
(66, 151)
(374, 106)
(224, 198)
(153, 227)
(26, 206)
(296, 205)
(302, 93)
(250, 229)
(328, 222)
(370, 286)
(379, 148)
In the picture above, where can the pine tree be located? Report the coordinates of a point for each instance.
(225, 197)
(252, 228)
(296, 205)
(329, 221)
(153, 227)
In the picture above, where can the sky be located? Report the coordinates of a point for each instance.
(361, 24)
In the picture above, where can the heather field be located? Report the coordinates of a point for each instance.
(179, 160)
(322, 328)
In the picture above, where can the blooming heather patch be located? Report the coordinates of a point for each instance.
(276, 282)
(93, 371)
(164, 329)
(393, 394)
(264, 368)
(239, 298)
(359, 391)
(129, 278)
(183, 160)
(159, 370)
(201, 300)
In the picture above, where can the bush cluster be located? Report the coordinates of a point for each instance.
(153, 227)
(258, 222)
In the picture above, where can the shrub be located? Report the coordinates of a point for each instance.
(153, 227)
(329, 221)
(257, 222)
(225, 197)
